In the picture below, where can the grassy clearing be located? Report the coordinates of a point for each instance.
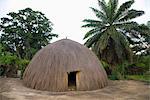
(145, 78)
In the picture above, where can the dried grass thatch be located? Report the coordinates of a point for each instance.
(49, 68)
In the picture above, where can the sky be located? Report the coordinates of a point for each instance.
(67, 15)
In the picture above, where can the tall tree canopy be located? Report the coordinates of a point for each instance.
(108, 34)
(140, 41)
(25, 32)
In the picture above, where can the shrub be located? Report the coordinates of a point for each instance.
(119, 72)
(8, 59)
(106, 67)
(11, 63)
(140, 66)
(22, 63)
(8, 65)
(135, 70)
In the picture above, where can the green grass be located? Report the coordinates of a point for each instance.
(145, 78)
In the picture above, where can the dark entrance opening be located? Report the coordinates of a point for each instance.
(72, 81)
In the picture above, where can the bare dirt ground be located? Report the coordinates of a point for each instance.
(13, 89)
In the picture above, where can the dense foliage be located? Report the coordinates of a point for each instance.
(111, 31)
(25, 32)
(11, 63)
(140, 40)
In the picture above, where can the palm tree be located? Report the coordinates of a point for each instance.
(108, 34)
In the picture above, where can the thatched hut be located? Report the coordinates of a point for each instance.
(65, 65)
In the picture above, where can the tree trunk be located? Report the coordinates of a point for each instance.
(18, 53)
(28, 51)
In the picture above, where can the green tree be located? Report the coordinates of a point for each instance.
(140, 40)
(108, 35)
(25, 32)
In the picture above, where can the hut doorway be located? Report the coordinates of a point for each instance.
(72, 81)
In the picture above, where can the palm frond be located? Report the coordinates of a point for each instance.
(126, 25)
(92, 23)
(131, 14)
(112, 6)
(142, 29)
(127, 53)
(134, 29)
(131, 41)
(93, 31)
(93, 39)
(122, 9)
(103, 6)
(99, 14)
(121, 45)
(103, 42)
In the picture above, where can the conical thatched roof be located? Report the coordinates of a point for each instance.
(49, 68)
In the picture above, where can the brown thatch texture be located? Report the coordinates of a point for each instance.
(49, 67)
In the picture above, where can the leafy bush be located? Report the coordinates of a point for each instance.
(8, 59)
(10, 63)
(13, 61)
(22, 63)
(144, 62)
(143, 65)
(140, 66)
(119, 72)
(135, 70)
(106, 67)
